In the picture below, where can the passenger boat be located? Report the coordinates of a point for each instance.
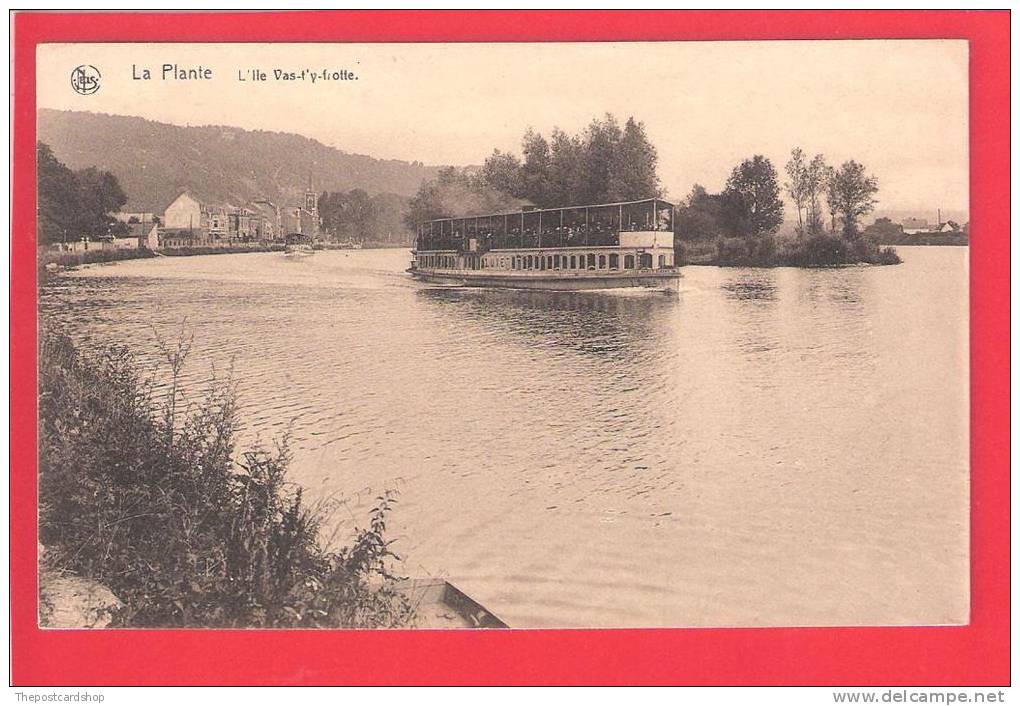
(602, 246)
(298, 244)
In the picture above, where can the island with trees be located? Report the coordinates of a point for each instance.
(608, 163)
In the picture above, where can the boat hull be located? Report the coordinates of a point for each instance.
(552, 281)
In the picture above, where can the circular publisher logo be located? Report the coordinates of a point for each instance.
(85, 79)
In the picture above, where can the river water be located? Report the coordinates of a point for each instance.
(768, 447)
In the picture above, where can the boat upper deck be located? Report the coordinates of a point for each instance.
(573, 226)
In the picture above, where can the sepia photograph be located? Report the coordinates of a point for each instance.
(481, 335)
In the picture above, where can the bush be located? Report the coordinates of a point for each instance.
(142, 493)
(747, 252)
(695, 252)
(819, 250)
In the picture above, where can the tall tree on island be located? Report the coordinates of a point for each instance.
(853, 192)
(502, 171)
(814, 184)
(535, 169)
(633, 174)
(601, 142)
(831, 197)
(566, 170)
(700, 216)
(796, 188)
(751, 202)
(456, 193)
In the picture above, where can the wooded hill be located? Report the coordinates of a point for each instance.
(155, 161)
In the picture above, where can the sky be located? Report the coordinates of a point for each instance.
(898, 107)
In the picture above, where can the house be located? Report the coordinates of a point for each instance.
(185, 212)
(271, 225)
(188, 212)
(217, 225)
(145, 235)
(302, 219)
(290, 219)
(915, 225)
(134, 217)
(173, 238)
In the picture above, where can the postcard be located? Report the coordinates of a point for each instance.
(503, 335)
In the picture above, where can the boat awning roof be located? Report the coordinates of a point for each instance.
(654, 202)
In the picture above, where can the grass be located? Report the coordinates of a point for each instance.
(147, 495)
(90, 257)
(225, 250)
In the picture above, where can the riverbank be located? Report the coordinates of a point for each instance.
(143, 495)
(67, 260)
(821, 250)
(933, 239)
(48, 261)
(366, 245)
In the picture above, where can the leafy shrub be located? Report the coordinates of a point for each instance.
(818, 250)
(142, 493)
(747, 252)
(695, 252)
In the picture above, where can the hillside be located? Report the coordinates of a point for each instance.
(156, 161)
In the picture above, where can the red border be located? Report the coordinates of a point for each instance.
(976, 654)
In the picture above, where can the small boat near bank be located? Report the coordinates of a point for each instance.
(298, 244)
(603, 246)
(441, 605)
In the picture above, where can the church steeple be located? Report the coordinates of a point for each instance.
(312, 205)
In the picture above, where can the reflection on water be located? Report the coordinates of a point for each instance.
(769, 447)
(752, 285)
(612, 325)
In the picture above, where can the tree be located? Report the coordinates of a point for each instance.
(633, 173)
(700, 216)
(99, 195)
(566, 170)
(854, 194)
(796, 171)
(454, 192)
(535, 170)
(602, 164)
(751, 203)
(502, 171)
(814, 184)
(883, 229)
(75, 204)
(831, 197)
(601, 140)
(57, 205)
